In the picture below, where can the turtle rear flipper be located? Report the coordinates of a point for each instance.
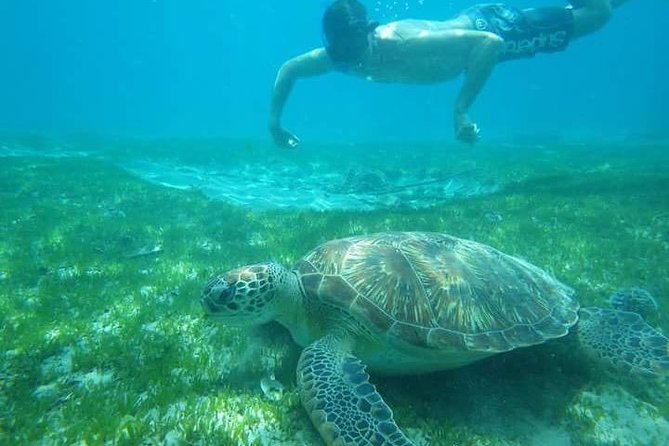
(343, 405)
(624, 340)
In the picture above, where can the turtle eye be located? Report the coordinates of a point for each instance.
(218, 291)
(223, 293)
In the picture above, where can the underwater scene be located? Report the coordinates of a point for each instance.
(418, 264)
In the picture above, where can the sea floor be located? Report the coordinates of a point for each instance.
(105, 246)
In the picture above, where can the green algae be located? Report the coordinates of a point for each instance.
(104, 347)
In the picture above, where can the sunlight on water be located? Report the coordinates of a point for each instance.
(392, 10)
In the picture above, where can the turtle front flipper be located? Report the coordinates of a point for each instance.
(624, 340)
(343, 405)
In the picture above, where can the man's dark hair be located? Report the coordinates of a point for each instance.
(345, 30)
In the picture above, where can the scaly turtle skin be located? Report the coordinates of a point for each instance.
(413, 302)
(635, 300)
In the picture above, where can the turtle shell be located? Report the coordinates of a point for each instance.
(436, 291)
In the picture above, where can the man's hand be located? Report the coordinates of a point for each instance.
(283, 138)
(466, 130)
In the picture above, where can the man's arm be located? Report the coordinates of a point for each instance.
(482, 58)
(457, 49)
(313, 63)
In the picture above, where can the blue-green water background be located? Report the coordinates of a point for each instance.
(102, 337)
(205, 68)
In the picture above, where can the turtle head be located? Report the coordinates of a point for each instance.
(246, 295)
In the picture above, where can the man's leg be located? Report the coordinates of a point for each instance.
(591, 15)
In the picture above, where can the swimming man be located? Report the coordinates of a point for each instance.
(425, 51)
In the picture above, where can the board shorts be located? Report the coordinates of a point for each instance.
(525, 31)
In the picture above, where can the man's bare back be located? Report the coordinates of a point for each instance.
(424, 51)
(418, 51)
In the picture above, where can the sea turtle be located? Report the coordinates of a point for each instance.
(407, 303)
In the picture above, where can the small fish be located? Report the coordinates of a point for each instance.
(493, 217)
(271, 388)
(145, 252)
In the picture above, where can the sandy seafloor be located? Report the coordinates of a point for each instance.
(105, 245)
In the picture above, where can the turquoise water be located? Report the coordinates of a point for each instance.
(206, 68)
(135, 164)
